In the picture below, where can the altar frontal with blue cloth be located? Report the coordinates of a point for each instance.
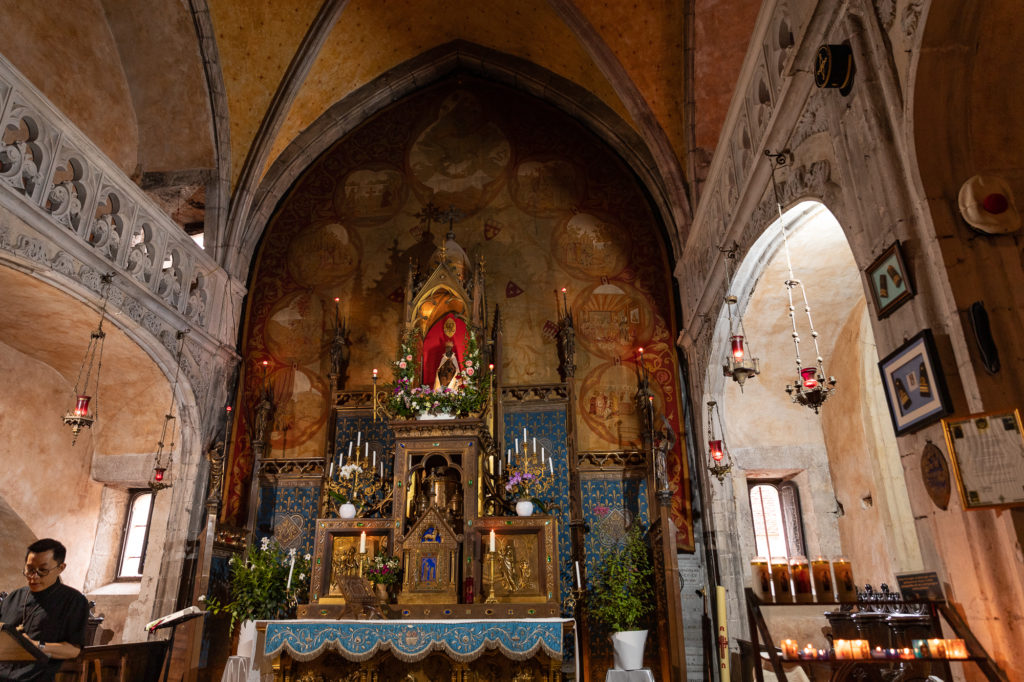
(413, 640)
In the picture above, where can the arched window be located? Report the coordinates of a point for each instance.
(136, 535)
(778, 527)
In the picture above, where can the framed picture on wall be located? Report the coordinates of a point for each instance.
(889, 282)
(987, 452)
(915, 387)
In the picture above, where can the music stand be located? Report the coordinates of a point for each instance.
(15, 647)
(172, 621)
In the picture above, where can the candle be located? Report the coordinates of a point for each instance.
(843, 649)
(789, 649)
(809, 652)
(860, 648)
(761, 579)
(499, 468)
(542, 454)
(956, 648)
(535, 444)
(579, 581)
(331, 475)
(517, 446)
(846, 590)
(374, 373)
(291, 567)
(821, 574)
(382, 469)
(374, 459)
(906, 653)
(551, 465)
(524, 436)
(780, 581)
(366, 450)
(350, 449)
(508, 456)
(801, 580)
(491, 542)
(362, 543)
(359, 438)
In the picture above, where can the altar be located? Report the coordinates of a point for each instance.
(412, 649)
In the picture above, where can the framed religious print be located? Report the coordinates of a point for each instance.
(889, 282)
(987, 452)
(915, 387)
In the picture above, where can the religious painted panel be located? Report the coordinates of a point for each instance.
(340, 551)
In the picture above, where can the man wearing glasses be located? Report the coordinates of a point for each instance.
(48, 612)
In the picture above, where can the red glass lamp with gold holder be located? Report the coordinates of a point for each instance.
(87, 386)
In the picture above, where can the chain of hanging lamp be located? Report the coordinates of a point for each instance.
(811, 388)
(86, 393)
(159, 467)
(740, 364)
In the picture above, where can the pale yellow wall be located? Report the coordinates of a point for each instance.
(45, 480)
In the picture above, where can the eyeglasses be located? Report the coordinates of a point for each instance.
(38, 572)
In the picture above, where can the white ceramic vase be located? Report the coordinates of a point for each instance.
(524, 508)
(347, 511)
(629, 649)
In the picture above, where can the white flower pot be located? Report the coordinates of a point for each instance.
(347, 511)
(246, 639)
(426, 416)
(629, 649)
(524, 508)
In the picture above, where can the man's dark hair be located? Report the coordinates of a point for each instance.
(47, 545)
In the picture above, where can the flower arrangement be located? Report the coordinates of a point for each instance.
(383, 570)
(520, 485)
(343, 491)
(623, 592)
(266, 584)
(409, 400)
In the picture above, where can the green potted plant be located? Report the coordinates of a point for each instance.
(265, 584)
(623, 596)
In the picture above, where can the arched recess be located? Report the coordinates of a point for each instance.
(431, 67)
(54, 489)
(844, 463)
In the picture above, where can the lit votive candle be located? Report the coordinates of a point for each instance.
(879, 652)
(809, 653)
(860, 648)
(956, 648)
(846, 589)
(937, 648)
(801, 580)
(821, 574)
(761, 578)
(906, 653)
(842, 649)
(789, 649)
(780, 581)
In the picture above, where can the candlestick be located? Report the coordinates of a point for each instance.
(492, 547)
(362, 543)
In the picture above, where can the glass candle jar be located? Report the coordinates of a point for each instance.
(846, 589)
(780, 581)
(801, 573)
(761, 578)
(821, 575)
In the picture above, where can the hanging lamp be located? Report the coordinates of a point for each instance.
(86, 395)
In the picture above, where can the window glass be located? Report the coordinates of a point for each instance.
(778, 527)
(135, 536)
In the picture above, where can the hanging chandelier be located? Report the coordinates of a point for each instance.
(160, 467)
(86, 395)
(719, 459)
(740, 364)
(811, 388)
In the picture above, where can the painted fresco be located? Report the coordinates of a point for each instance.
(542, 202)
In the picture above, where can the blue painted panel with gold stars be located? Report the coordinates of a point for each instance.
(288, 514)
(371, 437)
(548, 427)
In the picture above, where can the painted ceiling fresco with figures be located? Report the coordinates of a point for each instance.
(543, 203)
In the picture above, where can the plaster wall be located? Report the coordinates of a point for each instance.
(80, 73)
(46, 480)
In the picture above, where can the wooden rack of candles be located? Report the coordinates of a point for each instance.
(871, 658)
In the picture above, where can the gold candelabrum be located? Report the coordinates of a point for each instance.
(532, 463)
(362, 475)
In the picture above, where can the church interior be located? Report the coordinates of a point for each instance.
(440, 311)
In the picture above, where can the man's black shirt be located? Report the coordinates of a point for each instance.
(57, 614)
